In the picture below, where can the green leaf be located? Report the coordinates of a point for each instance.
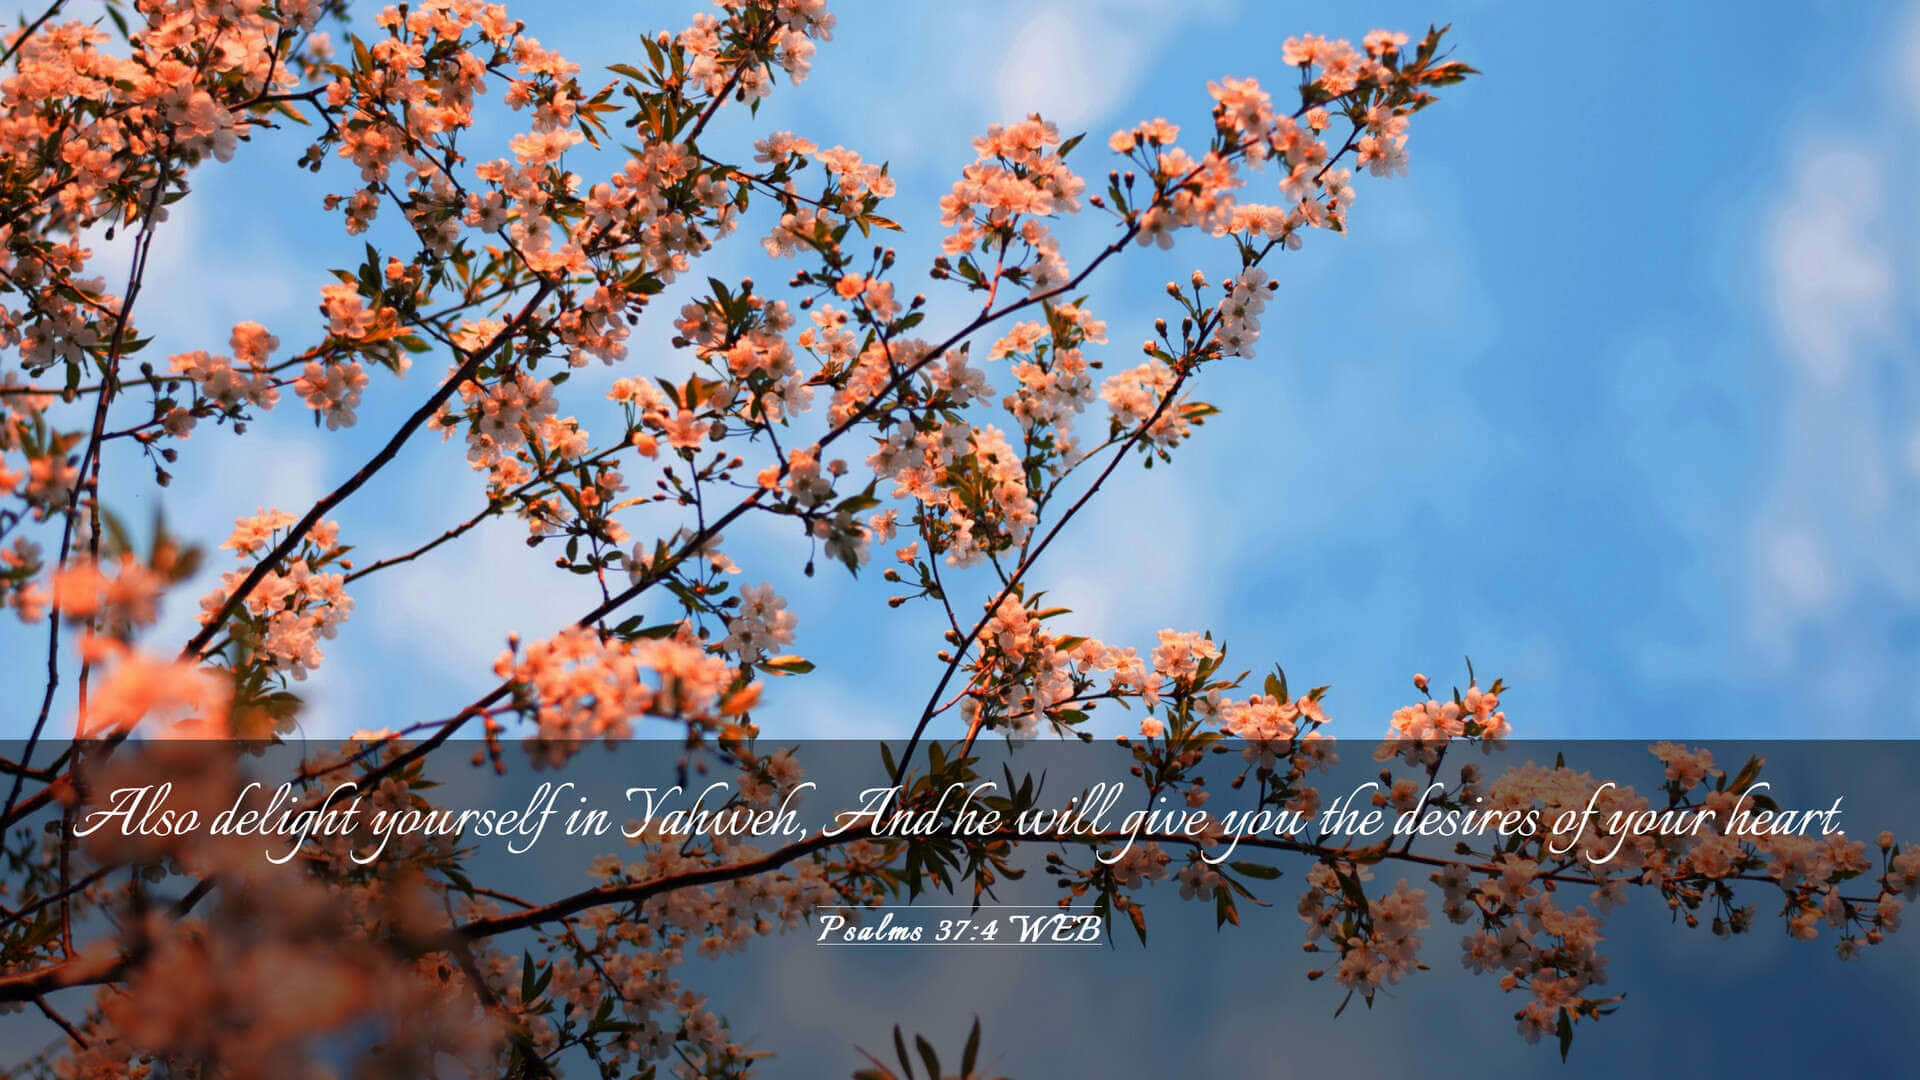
(927, 1057)
(1351, 886)
(900, 1049)
(1276, 685)
(117, 539)
(1224, 909)
(854, 504)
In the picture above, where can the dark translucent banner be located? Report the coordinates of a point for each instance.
(1205, 909)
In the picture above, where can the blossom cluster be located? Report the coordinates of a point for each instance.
(299, 601)
(577, 687)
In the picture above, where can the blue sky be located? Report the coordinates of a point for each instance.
(1611, 393)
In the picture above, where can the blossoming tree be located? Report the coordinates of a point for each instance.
(954, 454)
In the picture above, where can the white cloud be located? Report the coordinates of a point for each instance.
(1075, 62)
(1796, 565)
(1832, 278)
(201, 280)
(214, 485)
(453, 609)
(1065, 66)
(1139, 559)
(1831, 540)
(1837, 486)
